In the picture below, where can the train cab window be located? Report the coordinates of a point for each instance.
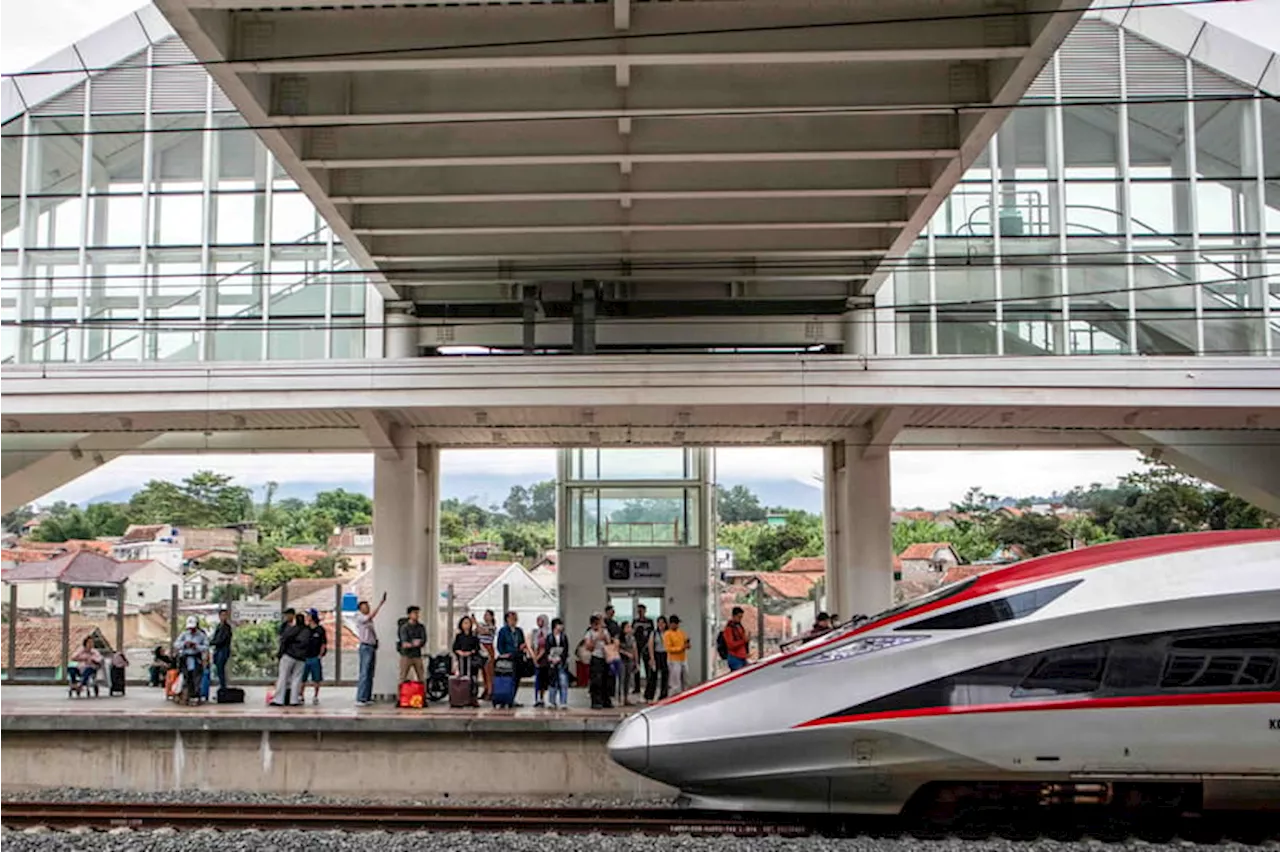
(1068, 671)
(1010, 608)
(1228, 658)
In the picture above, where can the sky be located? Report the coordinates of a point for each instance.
(31, 30)
(930, 479)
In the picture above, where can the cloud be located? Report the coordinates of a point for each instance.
(36, 29)
(932, 479)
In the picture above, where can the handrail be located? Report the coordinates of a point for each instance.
(305, 238)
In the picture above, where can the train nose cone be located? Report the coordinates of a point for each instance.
(629, 745)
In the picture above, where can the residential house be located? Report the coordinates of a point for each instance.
(199, 585)
(480, 549)
(305, 556)
(91, 575)
(928, 560)
(145, 542)
(356, 544)
(476, 586)
(229, 538)
(546, 573)
(316, 593)
(805, 565)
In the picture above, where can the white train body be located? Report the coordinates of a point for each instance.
(1151, 660)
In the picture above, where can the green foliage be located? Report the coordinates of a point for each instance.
(1036, 534)
(738, 505)
(14, 520)
(253, 650)
(228, 593)
(277, 574)
(204, 499)
(221, 564)
(67, 522)
(535, 504)
(344, 508)
(765, 547)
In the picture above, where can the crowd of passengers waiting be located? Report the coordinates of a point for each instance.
(617, 660)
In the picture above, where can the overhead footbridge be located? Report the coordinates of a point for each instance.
(660, 160)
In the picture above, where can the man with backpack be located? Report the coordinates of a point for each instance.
(412, 638)
(731, 643)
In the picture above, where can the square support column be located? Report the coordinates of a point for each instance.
(858, 509)
(405, 499)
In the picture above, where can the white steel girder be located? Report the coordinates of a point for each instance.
(699, 132)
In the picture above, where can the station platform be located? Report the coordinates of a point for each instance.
(142, 742)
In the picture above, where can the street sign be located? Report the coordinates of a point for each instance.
(255, 611)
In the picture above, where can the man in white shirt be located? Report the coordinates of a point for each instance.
(368, 638)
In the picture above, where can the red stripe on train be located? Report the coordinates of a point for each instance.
(1104, 703)
(1021, 574)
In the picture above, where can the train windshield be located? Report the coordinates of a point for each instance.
(915, 603)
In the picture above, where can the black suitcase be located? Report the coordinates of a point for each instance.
(117, 680)
(230, 695)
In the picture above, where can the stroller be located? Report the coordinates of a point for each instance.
(438, 669)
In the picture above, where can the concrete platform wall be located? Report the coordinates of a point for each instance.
(375, 765)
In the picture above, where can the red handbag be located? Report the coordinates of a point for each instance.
(413, 694)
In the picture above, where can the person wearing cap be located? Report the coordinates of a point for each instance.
(192, 645)
(221, 644)
(317, 647)
(821, 624)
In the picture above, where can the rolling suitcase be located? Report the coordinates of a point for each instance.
(461, 692)
(230, 695)
(504, 682)
(117, 680)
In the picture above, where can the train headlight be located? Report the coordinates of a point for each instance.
(856, 647)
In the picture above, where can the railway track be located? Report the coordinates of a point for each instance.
(139, 815)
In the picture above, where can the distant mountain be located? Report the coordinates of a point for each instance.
(490, 489)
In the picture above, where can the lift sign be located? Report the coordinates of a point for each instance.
(644, 571)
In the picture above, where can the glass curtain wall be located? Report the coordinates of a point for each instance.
(1108, 216)
(143, 221)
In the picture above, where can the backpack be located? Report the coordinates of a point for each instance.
(399, 624)
(722, 647)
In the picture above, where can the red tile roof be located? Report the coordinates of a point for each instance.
(23, 555)
(956, 573)
(924, 550)
(775, 626)
(791, 586)
(912, 515)
(300, 555)
(805, 565)
(81, 566)
(142, 532)
(39, 642)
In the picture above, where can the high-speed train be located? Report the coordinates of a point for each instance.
(1144, 672)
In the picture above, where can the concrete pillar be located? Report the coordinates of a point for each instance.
(427, 539)
(859, 572)
(405, 497)
(400, 337)
(859, 326)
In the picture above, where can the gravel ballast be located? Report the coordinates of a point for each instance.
(164, 840)
(241, 797)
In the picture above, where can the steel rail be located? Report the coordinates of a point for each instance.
(148, 815)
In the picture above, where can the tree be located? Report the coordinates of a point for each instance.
(1086, 530)
(517, 504)
(203, 499)
(228, 593)
(343, 508)
(277, 574)
(908, 533)
(66, 521)
(14, 521)
(1036, 534)
(253, 649)
(1159, 500)
(738, 504)
(221, 564)
(330, 566)
(1225, 511)
(542, 502)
